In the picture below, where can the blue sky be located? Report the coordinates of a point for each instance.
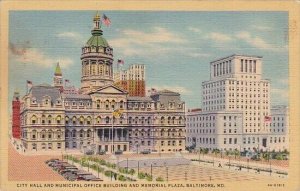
(176, 47)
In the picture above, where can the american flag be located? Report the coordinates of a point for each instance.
(268, 119)
(120, 62)
(106, 20)
(152, 91)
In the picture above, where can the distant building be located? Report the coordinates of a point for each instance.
(100, 116)
(132, 80)
(16, 123)
(235, 107)
(279, 127)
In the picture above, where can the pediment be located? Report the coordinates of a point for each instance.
(111, 89)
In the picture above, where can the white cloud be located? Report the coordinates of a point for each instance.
(280, 93)
(199, 55)
(219, 37)
(262, 28)
(78, 38)
(254, 41)
(37, 57)
(134, 42)
(178, 89)
(194, 29)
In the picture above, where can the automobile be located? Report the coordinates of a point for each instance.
(88, 177)
(67, 169)
(96, 179)
(102, 152)
(118, 152)
(51, 160)
(146, 151)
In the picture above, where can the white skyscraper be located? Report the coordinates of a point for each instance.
(238, 98)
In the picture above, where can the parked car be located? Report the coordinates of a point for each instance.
(118, 152)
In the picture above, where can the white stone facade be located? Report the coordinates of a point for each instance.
(236, 88)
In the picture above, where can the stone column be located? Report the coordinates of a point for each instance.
(122, 135)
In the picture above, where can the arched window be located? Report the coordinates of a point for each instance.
(33, 134)
(34, 146)
(81, 133)
(50, 146)
(49, 119)
(58, 134)
(81, 120)
(130, 120)
(58, 119)
(121, 104)
(33, 119)
(173, 120)
(43, 146)
(149, 120)
(107, 120)
(136, 120)
(50, 134)
(67, 120)
(74, 120)
(169, 120)
(43, 119)
(142, 120)
(113, 104)
(162, 120)
(88, 133)
(43, 134)
(98, 104)
(89, 120)
(107, 105)
(98, 119)
(74, 133)
(180, 121)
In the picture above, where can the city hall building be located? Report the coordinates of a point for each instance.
(236, 109)
(61, 118)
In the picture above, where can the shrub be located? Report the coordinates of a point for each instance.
(122, 178)
(159, 179)
(149, 178)
(131, 171)
(108, 173)
(141, 175)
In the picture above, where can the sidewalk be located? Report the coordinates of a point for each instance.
(223, 161)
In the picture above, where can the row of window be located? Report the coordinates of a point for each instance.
(45, 146)
(245, 83)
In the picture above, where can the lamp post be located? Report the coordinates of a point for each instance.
(167, 174)
(138, 166)
(112, 134)
(151, 172)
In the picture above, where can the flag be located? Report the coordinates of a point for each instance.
(106, 20)
(268, 119)
(29, 82)
(117, 113)
(29, 85)
(152, 91)
(120, 62)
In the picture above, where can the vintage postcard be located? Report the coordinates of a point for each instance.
(153, 95)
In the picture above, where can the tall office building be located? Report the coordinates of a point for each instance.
(236, 106)
(132, 80)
